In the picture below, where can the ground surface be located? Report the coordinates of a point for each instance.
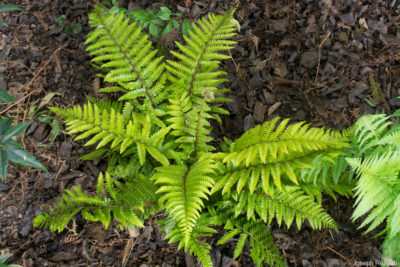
(320, 61)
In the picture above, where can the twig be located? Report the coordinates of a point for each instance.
(100, 4)
(238, 72)
(340, 255)
(319, 53)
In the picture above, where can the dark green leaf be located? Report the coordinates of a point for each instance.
(7, 7)
(167, 29)
(5, 124)
(60, 20)
(74, 28)
(164, 13)
(156, 21)
(176, 24)
(153, 29)
(55, 130)
(186, 27)
(369, 102)
(11, 144)
(5, 97)
(24, 158)
(106, 3)
(3, 23)
(45, 118)
(139, 15)
(3, 164)
(16, 130)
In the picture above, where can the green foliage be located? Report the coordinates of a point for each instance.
(375, 158)
(391, 248)
(160, 21)
(5, 97)
(159, 148)
(68, 29)
(4, 258)
(7, 8)
(44, 116)
(9, 148)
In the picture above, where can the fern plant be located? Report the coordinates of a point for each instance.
(161, 158)
(375, 158)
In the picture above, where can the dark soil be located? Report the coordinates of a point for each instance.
(326, 62)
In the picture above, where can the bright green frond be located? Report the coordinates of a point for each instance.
(378, 186)
(263, 249)
(109, 127)
(125, 200)
(127, 55)
(183, 189)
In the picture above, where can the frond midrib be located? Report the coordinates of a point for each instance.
(196, 137)
(300, 139)
(301, 156)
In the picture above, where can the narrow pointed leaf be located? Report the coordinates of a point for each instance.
(3, 164)
(16, 130)
(24, 158)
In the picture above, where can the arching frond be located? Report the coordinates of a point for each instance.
(108, 127)
(196, 73)
(279, 152)
(128, 56)
(125, 200)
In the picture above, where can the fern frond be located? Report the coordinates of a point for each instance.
(265, 151)
(128, 56)
(126, 202)
(369, 130)
(291, 204)
(199, 248)
(263, 249)
(199, 58)
(108, 127)
(190, 126)
(269, 140)
(391, 248)
(183, 189)
(377, 187)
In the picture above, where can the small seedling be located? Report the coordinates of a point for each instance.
(157, 22)
(45, 117)
(73, 28)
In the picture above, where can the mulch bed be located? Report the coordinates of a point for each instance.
(326, 62)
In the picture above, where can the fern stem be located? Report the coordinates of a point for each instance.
(196, 137)
(184, 187)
